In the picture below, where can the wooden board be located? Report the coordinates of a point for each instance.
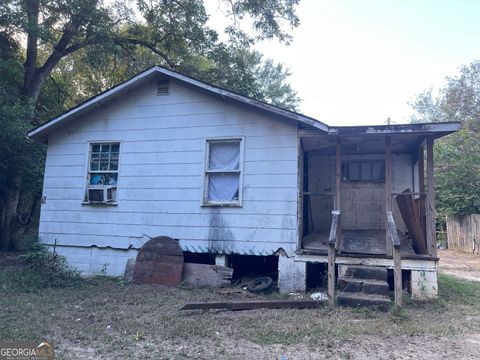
(159, 261)
(463, 233)
(206, 275)
(411, 218)
(250, 305)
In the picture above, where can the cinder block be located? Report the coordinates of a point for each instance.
(291, 274)
(424, 285)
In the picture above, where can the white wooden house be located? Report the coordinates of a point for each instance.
(164, 154)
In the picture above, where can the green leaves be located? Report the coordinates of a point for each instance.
(457, 175)
(457, 157)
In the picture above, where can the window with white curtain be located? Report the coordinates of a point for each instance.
(223, 172)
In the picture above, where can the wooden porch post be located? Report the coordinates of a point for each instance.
(338, 186)
(388, 188)
(421, 169)
(334, 242)
(431, 218)
(300, 193)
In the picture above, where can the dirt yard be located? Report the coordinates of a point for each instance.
(462, 265)
(108, 319)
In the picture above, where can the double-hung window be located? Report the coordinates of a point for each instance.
(102, 173)
(223, 172)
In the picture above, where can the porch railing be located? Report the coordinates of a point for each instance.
(397, 260)
(333, 240)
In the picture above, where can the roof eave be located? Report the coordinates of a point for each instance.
(421, 128)
(40, 133)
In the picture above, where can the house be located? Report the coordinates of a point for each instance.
(164, 154)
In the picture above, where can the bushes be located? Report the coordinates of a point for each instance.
(41, 269)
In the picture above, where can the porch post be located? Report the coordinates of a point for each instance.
(338, 183)
(421, 169)
(388, 188)
(431, 221)
(300, 181)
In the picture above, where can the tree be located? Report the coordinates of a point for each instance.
(457, 157)
(58, 33)
(19, 159)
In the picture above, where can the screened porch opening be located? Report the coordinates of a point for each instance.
(356, 168)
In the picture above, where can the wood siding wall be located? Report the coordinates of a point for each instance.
(463, 233)
(362, 204)
(161, 176)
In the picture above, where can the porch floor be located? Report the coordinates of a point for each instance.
(369, 242)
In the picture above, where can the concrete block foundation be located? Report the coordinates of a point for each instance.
(424, 285)
(291, 274)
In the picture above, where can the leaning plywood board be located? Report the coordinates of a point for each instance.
(411, 218)
(206, 275)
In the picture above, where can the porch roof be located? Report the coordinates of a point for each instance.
(436, 129)
(371, 139)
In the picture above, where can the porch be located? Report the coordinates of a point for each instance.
(367, 199)
(363, 175)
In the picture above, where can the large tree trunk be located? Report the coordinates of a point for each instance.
(32, 8)
(8, 214)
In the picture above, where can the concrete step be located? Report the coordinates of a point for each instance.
(367, 286)
(357, 300)
(366, 272)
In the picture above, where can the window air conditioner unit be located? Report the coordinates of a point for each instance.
(100, 195)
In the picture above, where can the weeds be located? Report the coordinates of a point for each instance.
(42, 269)
(118, 320)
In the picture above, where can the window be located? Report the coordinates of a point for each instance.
(373, 171)
(223, 172)
(102, 173)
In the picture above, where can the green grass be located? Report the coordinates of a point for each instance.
(116, 319)
(455, 290)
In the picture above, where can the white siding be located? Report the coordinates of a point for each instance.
(161, 176)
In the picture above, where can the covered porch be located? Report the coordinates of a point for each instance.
(366, 197)
(363, 173)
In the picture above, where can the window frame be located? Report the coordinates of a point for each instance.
(346, 171)
(206, 172)
(89, 172)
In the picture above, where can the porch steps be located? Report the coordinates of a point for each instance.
(363, 286)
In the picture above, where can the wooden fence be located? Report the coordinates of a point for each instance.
(463, 233)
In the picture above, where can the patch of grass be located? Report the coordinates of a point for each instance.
(41, 269)
(460, 291)
(114, 319)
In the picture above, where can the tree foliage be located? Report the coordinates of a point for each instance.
(55, 53)
(457, 157)
(174, 30)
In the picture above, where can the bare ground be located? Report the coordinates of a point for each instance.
(462, 265)
(107, 319)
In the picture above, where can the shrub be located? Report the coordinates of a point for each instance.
(47, 269)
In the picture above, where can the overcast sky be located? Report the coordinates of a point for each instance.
(361, 61)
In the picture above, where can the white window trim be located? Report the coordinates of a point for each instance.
(236, 203)
(88, 172)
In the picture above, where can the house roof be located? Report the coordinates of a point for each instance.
(42, 131)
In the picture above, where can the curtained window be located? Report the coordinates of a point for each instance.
(223, 172)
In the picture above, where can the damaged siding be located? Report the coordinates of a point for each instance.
(161, 175)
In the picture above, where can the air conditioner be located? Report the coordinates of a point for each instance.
(101, 194)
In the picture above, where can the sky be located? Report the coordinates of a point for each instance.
(358, 62)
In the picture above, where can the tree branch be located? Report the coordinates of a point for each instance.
(149, 45)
